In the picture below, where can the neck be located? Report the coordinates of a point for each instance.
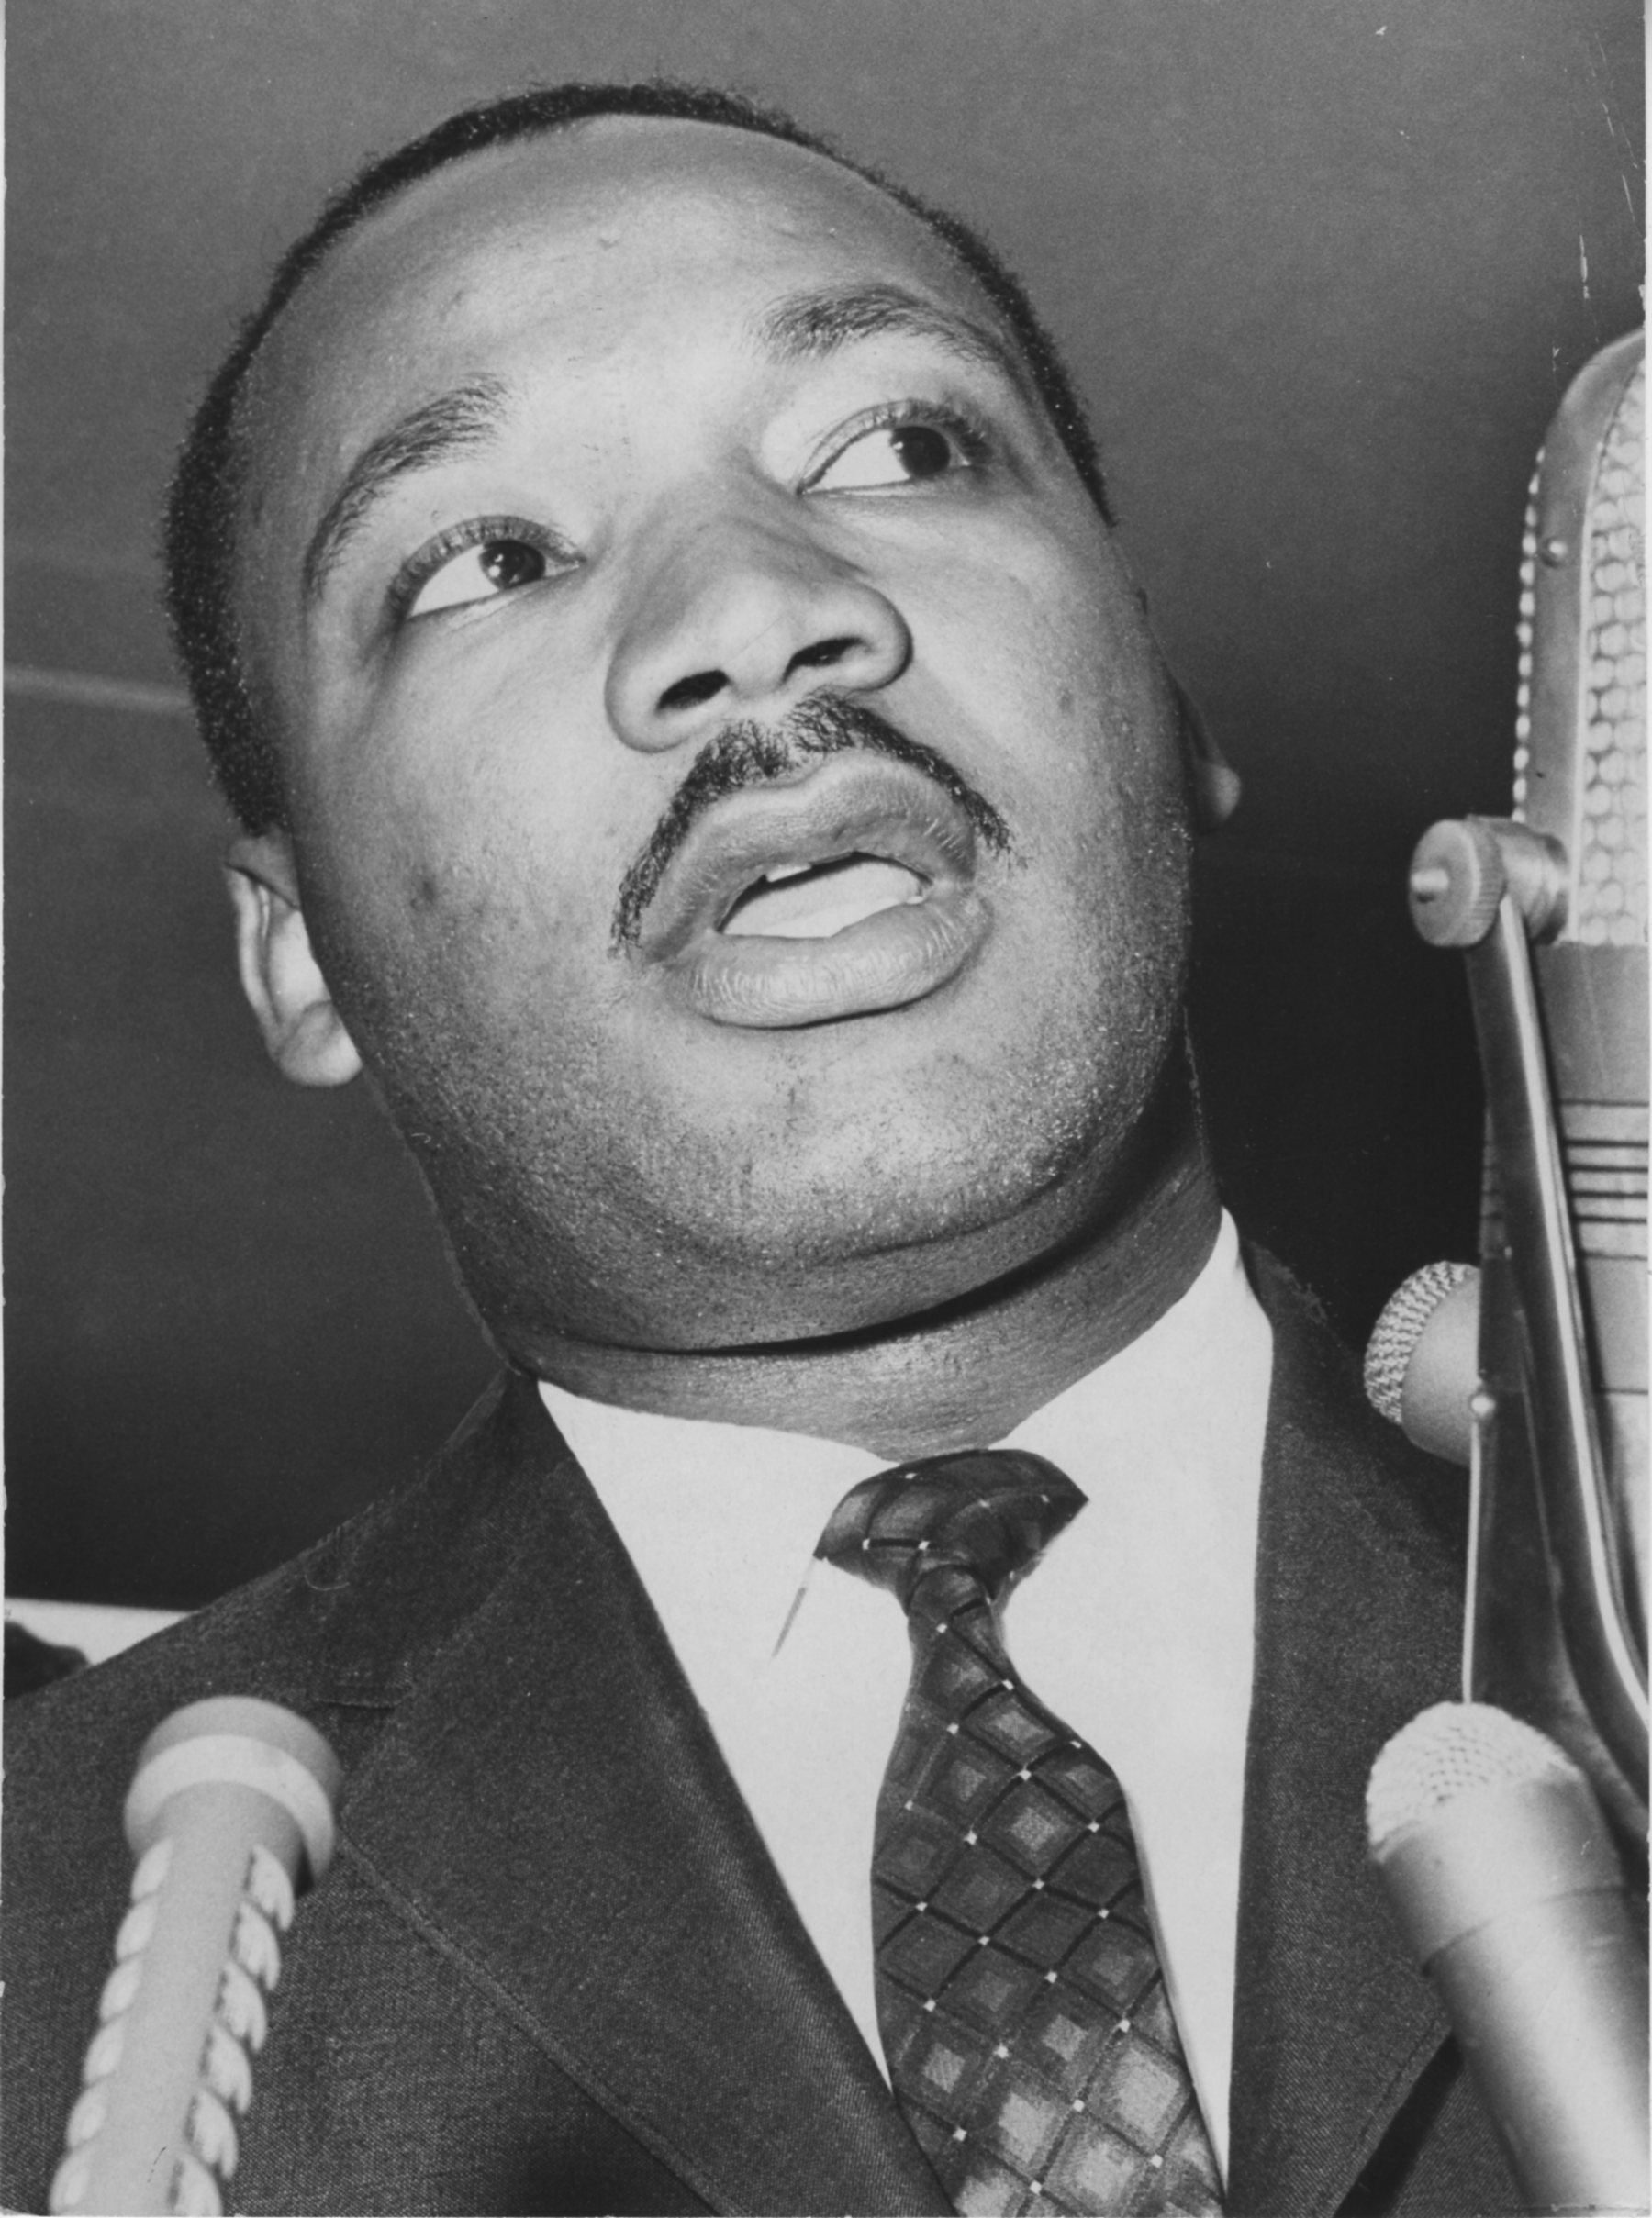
(955, 1378)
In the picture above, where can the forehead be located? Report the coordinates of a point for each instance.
(575, 242)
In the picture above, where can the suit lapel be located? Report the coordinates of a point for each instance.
(549, 1806)
(1359, 1591)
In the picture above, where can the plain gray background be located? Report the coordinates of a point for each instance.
(1323, 268)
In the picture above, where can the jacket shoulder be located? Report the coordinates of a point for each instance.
(340, 1633)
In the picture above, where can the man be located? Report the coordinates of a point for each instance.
(648, 589)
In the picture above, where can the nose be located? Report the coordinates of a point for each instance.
(737, 615)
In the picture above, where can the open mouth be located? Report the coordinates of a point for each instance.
(817, 900)
(849, 891)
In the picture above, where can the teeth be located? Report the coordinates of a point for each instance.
(815, 901)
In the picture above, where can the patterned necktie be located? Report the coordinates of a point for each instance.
(1023, 2010)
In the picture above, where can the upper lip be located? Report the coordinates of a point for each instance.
(852, 803)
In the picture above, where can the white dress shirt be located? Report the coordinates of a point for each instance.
(1135, 1628)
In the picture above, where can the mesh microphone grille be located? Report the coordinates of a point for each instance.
(1451, 1750)
(1612, 861)
(1395, 1335)
(1581, 757)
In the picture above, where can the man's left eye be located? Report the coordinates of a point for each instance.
(892, 454)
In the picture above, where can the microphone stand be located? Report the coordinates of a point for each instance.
(1498, 1856)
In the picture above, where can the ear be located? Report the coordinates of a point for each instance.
(1214, 781)
(302, 1030)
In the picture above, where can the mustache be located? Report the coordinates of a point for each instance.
(745, 754)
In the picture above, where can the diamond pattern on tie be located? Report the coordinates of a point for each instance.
(1022, 2009)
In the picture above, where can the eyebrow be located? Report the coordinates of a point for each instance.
(804, 327)
(453, 423)
(809, 326)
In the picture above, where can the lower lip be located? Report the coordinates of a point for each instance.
(886, 962)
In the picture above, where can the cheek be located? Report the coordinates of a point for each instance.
(1042, 628)
(471, 897)
(1073, 726)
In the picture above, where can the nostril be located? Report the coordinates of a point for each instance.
(689, 693)
(822, 655)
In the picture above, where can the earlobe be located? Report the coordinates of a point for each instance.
(302, 1030)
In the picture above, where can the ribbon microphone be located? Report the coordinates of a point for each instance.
(1510, 1828)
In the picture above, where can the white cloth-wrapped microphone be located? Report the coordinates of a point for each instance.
(1503, 1871)
(231, 1808)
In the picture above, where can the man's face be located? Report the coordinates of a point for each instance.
(734, 795)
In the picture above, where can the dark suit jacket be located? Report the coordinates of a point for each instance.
(552, 1968)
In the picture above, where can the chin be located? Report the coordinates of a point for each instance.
(899, 1179)
(825, 1225)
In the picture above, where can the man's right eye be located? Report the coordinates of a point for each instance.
(463, 568)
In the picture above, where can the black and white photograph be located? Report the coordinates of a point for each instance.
(815, 808)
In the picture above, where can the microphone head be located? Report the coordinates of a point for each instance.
(1402, 1323)
(1581, 757)
(1421, 1364)
(1453, 1750)
(236, 1741)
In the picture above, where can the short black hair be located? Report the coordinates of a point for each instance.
(199, 537)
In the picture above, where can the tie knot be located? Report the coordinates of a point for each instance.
(988, 1511)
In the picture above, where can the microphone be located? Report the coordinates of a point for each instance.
(1501, 1868)
(1422, 1361)
(230, 1811)
(1549, 910)
(1495, 1851)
